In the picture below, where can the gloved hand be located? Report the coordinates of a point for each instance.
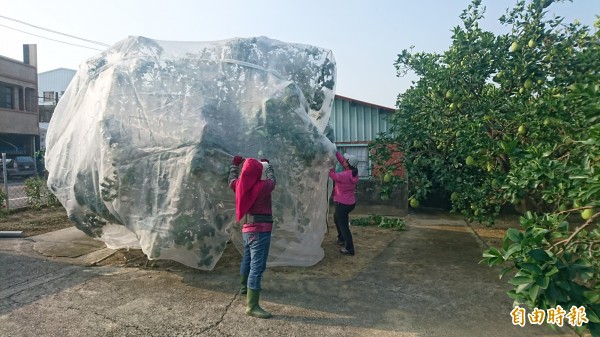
(237, 160)
(265, 160)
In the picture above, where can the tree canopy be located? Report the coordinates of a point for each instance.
(512, 119)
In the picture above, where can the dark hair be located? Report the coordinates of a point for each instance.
(354, 169)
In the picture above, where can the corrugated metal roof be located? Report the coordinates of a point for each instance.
(56, 80)
(356, 121)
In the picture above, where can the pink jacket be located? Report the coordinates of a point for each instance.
(344, 183)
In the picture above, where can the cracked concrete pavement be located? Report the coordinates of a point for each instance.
(425, 282)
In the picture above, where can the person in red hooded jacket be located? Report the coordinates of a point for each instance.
(253, 188)
(344, 199)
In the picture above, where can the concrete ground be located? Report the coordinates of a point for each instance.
(425, 281)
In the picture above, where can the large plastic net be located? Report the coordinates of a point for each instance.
(139, 147)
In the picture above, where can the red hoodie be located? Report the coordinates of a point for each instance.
(345, 183)
(253, 196)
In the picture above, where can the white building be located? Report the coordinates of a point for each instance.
(52, 85)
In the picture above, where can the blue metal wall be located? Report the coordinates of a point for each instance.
(355, 124)
(357, 121)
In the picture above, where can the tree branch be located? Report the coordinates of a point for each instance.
(579, 229)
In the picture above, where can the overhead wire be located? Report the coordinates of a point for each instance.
(52, 31)
(47, 38)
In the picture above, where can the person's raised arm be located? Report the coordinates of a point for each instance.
(234, 171)
(340, 157)
(333, 175)
(271, 181)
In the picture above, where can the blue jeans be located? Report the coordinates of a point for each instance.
(254, 261)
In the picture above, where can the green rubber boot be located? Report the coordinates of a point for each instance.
(252, 307)
(244, 282)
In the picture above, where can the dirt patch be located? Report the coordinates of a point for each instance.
(34, 222)
(369, 241)
(493, 236)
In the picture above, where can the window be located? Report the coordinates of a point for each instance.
(362, 153)
(6, 97)
(31, 99)
(21, 107)
(27, 98)
(48, 96)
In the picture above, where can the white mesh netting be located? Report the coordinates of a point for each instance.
(139, 147)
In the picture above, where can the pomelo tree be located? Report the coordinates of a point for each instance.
(513, 120)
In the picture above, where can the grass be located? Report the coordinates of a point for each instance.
(380, 221)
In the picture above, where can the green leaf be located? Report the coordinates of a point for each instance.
(592, 315)
(540, 231)
(591, 296)
(492, 252)
(587, 274)
(515, 247)
(552, 271)
(539, 255)
(495, 260)
(521, 287)
(582, 263)
(534, 292)
(543, 282)
(557, 235)
(514, 235)
(518, 280)
(512, 294)
(504, 271)
(594, 329)
(531, 267)
(553, 293)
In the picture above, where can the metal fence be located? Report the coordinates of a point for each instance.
(19, 190)
(14, 193)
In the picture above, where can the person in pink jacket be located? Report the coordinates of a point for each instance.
(344, 199)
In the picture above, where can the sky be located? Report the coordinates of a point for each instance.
(365, 36)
